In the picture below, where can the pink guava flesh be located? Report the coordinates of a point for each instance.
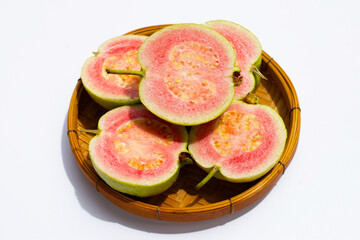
(122, 44)
(248, 52)
(245, 142)
(188, 78)
(136, 147)
(113, 90)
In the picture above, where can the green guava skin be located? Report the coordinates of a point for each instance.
(219, 175)
(141, 190)
(110, 103)
(163, 114)
(257, 63)
(216, 113)
(99, 97)
(136, 189)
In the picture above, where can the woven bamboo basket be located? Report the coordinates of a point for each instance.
(182, 202)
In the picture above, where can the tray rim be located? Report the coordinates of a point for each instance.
(196, 213)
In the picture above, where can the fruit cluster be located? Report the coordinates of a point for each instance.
(196, 75)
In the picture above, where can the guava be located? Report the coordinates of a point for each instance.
(137, 153)
(109, 90)
(187, 72)
(248, 54)
(241, 145)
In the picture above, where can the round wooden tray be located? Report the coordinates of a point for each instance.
(182, 202)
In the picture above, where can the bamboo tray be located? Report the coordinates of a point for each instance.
(182, 202)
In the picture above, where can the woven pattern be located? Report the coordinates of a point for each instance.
(182, 202)
(270, 95)
(183, 194)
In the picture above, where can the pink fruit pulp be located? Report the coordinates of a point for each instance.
(111, 90)
(124, 128)
(248, 52)
(188, 78)
(242, 154)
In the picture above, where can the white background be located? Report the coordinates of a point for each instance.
(43, 46)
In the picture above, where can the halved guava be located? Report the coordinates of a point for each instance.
(110, 90)
(243, 144)
(248, 54)
(188, 74)
(137, 153)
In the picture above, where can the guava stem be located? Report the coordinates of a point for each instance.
(251, 98)
(90, 131)
(257, 71)
(185, 159)
(207, 178)
(125, 72)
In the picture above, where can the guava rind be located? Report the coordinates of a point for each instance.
(206, 157)
(159, 100)
(109, 102)
(241, 39)
(136, 189)
(94, 83)
(113, 45)
(142, 184)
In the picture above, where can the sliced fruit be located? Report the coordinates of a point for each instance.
(248, 54)
(243, 144)
(110, 90)
(137, 153)
(188, 74)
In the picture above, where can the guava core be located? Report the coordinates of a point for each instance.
(244, 143)
(112, 90)
(188, 74)
(248, 54)
(136, 152)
